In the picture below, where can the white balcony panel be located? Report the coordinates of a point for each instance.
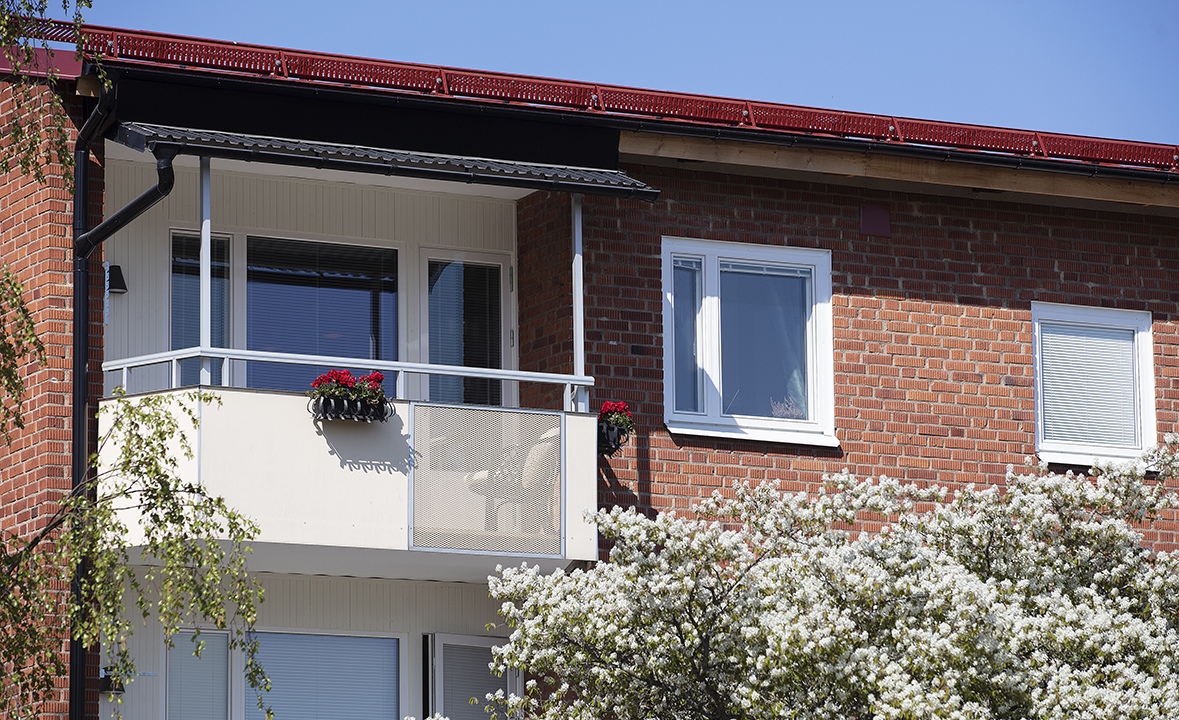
(333, 497)
(340, 483)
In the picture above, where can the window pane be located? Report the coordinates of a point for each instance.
(1088, 385)
(466, 675)
(317, 299)
(686, 279)
(764, 311)
(198, 688)
(328, 677)
(465, 329)
(186, 301)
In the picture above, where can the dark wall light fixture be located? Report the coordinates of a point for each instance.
(115, 283)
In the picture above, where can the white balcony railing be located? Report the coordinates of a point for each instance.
(575, 393)
(438, 491)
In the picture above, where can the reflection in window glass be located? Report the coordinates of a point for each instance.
(314, 298)
(186, 301)
(686, 295)
(465, 329)
(763, 319)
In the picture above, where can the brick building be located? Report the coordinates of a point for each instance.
(778, 293)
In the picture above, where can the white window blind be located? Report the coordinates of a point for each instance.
(466, 675)
(1089, 386)
(198, 688)
(329, 677)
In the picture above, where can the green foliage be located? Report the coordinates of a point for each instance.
(191, 549)
(18, 338)
(37, 133)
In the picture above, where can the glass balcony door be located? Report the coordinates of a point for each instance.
(465, 319)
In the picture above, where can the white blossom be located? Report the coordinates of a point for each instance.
(1036, 599)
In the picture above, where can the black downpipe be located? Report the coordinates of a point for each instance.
(97, 121)
(85, 243)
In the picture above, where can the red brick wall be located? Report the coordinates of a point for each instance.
(933, 358)
(36, 227)
(544, 240)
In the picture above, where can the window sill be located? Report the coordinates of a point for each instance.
(785, 436)
(1088, 459)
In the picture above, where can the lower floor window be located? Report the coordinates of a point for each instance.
(198, 687)
(464, 678)
(313, 677)
(322, 677)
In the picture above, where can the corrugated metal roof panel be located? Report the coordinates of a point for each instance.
(285, 151)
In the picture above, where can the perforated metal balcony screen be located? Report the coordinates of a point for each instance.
(487, 480)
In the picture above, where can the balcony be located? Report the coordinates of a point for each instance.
(439, 491)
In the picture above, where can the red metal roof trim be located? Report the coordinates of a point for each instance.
(258, 60)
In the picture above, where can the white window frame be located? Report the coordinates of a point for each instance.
(513, 680)
(1139, 321)
(819, 429)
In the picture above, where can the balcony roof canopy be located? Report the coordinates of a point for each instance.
(357, 158)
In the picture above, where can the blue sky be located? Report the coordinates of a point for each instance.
(1083, 67)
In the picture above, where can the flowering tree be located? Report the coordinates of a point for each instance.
(1033, 601)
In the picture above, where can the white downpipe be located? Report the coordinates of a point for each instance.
(582, 404)
(206, 271)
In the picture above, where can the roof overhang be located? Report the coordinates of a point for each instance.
(381, 161)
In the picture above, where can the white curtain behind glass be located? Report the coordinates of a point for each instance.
(1088, 385)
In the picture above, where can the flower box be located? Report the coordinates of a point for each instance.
(337, 395)
(615, 423)
(341, 408)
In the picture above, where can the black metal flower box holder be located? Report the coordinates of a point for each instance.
(611, 437)
(341, 408)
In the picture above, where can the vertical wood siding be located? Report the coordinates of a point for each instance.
(292, 208)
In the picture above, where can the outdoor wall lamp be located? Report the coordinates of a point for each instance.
(116, 284)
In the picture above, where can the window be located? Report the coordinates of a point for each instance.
(324, 677)
(186, 301)
(198, 687)
(314, 298)
(313, 677)
(464, 302)
(747, 341)
(1094, 383)
(461, 673)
